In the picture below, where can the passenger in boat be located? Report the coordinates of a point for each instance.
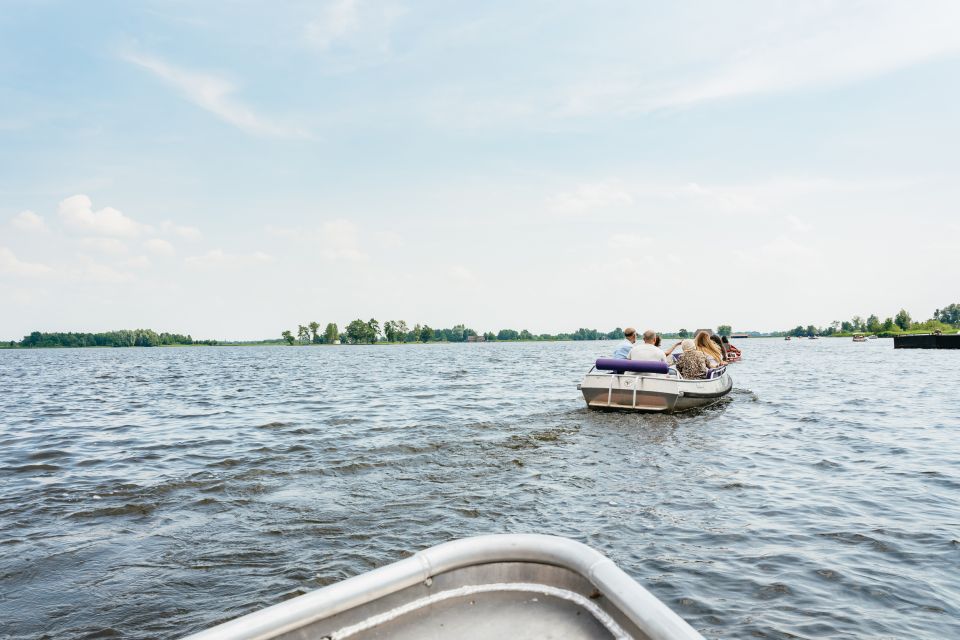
(623, 351)
(692, 364)
(706, 346)
(648, 350)
(728, 347)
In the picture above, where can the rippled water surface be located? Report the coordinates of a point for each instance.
(150, 493)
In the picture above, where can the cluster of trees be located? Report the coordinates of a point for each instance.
(122, 338)
(946, 319)
(309, 333)
(371, 331)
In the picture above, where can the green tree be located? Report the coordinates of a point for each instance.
(902, 319)
(811, 330)
(374, 327)
(389, 331)
(724, 330)
(331, 334)
(426, 334)
(414, 334)
(873, 324)
(683, 333)
(358, 332)
(507, 334)
(950, 314)
(303, 334)
(889, 325)
(858, 323)
(489, 336)
(314, 327)
(526, 335)
(288, 336)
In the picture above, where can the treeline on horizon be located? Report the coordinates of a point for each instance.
(397, 331)
(120, 338)
(371, 331)
(945, 319)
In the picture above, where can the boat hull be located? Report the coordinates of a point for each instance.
(651, 393)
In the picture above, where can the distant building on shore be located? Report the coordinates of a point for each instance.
(476, 339)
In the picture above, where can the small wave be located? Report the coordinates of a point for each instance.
(29, 468)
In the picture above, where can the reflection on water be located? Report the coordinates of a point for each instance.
(151, 493)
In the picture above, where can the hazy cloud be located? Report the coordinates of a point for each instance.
(10, 264)
(29, 221)
(218, 258)
(590, 197)
(77, 212)
(160, 247)
(215, 94)
(183, 231)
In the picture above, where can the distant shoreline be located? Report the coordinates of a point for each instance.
(7, 347)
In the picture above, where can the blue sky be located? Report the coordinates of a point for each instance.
(232, 169)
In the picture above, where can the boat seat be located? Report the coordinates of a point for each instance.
(635, 366)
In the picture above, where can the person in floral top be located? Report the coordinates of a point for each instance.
(693, 363)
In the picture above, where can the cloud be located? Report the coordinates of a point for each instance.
(215, 95)
(334, 241)
(631, 241)
(29, 221)
(160, 247)
(10, 264)
(218, 258)
(799, 225)
(460, 273)
(589, 197)
(182, 231)
(353, 33)
(338, 19)
(801, 46)
(828, 43)
(102, 274)
(110, 246)
(138, 262)
(339, 240)
(77, 212)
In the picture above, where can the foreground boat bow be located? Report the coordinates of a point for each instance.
(510, 586)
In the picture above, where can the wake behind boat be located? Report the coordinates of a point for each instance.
(640, 385)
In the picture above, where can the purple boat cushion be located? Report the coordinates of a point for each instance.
(637, 366)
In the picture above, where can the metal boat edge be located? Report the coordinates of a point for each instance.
(649, 615)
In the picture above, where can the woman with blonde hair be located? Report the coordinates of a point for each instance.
(707, 347)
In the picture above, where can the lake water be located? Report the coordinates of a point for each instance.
(149, 493)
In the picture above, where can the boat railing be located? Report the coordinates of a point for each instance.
(651, 616)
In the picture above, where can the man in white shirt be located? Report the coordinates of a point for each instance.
(648, 350)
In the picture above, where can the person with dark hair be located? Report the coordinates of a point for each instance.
(630, 339)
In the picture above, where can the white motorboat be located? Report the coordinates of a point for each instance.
(639, 385)
(521, 586)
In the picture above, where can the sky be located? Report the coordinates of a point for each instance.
(233, 169)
